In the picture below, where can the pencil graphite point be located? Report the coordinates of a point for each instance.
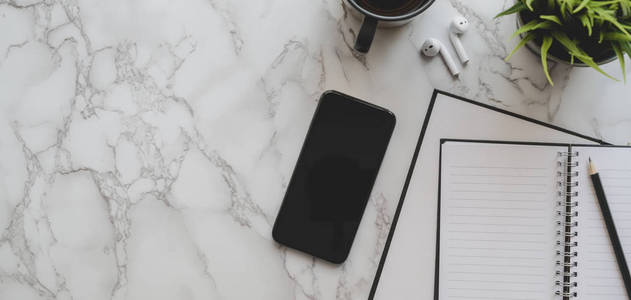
(592, 167)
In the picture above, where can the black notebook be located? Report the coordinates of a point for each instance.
(521, 221)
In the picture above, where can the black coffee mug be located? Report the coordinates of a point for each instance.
(390, 12)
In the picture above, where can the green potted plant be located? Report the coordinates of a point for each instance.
(577, 32)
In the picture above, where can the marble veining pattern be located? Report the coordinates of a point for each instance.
(145, 146)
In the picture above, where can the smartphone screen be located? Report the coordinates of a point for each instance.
(334, 175)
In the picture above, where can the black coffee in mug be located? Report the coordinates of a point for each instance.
(390, 7)
(390, 11)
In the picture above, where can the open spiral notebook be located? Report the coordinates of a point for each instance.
(521, 221)
(407, 266)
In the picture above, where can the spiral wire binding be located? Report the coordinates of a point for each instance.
(566, 210)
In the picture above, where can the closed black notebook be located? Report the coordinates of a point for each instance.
(521, 221)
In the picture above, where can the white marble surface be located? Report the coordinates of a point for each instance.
(145, 145)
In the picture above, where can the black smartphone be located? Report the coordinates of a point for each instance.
(331, 183)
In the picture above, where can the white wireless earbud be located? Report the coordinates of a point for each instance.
(459, 26)
(432, 47)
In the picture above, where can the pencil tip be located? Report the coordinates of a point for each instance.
(592, 168)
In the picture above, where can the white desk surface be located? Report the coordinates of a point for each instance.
(145, 146)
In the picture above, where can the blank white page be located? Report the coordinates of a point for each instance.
(497, 221)
(597, 270)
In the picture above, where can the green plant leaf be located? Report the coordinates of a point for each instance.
(532, 25)
(608, 16)
(562, 8)
(585, 21)
(581, 6)
(573, 49)
(545, 46)
(519, 6)
(590, 15)
(616, 36)
(626, 47)
(603, 3)
(616, 48)
(529, 37)
(552, 18)
(529, 4)
(625, 7)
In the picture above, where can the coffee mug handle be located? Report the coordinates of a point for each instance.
(366, 34)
